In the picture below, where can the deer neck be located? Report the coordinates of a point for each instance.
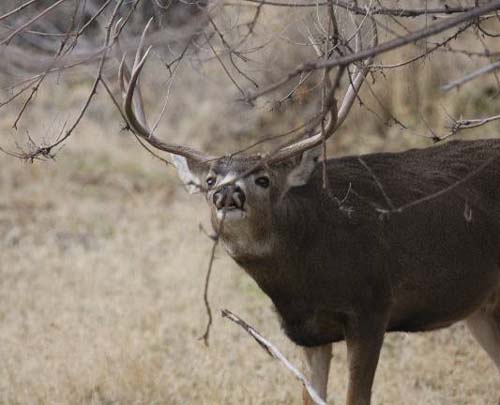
(246, 243)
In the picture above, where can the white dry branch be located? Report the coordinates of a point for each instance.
(471, 76)
(274, 352)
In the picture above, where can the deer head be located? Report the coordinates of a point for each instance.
(242, 191)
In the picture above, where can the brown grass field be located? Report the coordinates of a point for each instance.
(102, 267)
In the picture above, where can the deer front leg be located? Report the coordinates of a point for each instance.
(318, 367)
(364, 340)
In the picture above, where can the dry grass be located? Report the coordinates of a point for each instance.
(102, 267)
(101, 282)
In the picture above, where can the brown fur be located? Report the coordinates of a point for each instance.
(347, 263)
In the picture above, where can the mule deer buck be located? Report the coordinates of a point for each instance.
(384, 242)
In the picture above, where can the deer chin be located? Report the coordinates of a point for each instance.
(231, 214)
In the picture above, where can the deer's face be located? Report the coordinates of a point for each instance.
(237, 197)
(243, 197)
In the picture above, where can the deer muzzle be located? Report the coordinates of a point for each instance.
(229, 197)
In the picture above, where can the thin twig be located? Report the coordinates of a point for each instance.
(17, 9)
(7, 40)
(141, 142)
(226, 70)
(377, 182)
(39, 83)
(215, 238)
(206, 333)
(46, 151)
(471, 76)
(441, 192)
(459, 125)
(354, 8)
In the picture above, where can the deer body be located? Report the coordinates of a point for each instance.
(342, 262)
(352, 248)
(336, 256)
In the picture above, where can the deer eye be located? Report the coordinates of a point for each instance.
(210, 181)
(262, 181)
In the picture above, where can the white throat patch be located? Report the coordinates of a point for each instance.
(245, 248)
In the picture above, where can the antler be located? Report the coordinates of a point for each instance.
(337, 117)
(133, 109)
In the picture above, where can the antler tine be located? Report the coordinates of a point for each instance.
(352, 91)
(128, 105)
(123, 77)
(133, 106)
(337, 117)
(137, 98)
(140, 47)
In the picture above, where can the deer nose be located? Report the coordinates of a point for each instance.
(229, 197)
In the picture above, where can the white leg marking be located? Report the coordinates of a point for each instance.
(486, 330)
(318, 363)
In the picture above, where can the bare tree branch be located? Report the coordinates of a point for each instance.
(9, 38)
(17, 9)
(46, 151)
(459, 125)
(354, 8)
(382, 48)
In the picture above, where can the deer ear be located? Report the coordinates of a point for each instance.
(189, 172)
(300, 175)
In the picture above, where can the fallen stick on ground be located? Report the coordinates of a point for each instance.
(275, 353)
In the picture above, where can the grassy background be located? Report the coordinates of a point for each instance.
(102, 263)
